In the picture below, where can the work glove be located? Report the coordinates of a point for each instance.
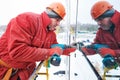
(109, 62)
(62, 46)
(67, 49)
(55, 50)
(93, 48)
(97, 46)
(105, 51)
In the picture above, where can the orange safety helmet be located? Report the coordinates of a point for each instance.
(99, 8)
(58, 8)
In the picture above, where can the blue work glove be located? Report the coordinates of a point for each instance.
(63, 46)
(97, 46)
(109, 62)
(67, 49)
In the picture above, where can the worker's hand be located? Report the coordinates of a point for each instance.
(97, 46)
(62, 46)
(109, 62)
(67, 51)
(56, 50)
(105, 51)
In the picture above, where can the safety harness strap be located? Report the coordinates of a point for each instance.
(9, 71)
(8, 74)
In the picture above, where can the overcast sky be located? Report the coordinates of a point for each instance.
(11, 8)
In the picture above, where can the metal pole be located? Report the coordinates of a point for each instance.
(68, 37)
(76, 20)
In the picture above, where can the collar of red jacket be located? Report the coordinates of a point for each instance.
(46, 20)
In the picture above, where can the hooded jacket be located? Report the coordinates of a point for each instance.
(25, 41)
(108, 38)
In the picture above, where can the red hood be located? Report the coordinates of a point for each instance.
(116, 18)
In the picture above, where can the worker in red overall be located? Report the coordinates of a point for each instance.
(27, 39)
